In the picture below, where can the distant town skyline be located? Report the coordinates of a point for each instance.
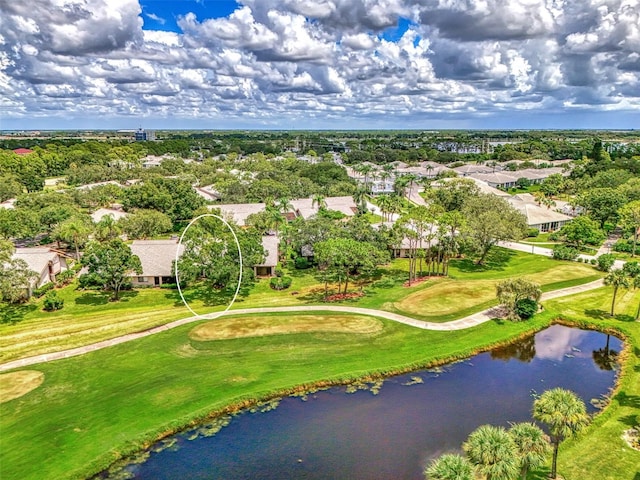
(320, 64)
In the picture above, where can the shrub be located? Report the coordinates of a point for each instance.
(280, 283)
(625, 246)
(301, 263)
(526, 308)
(89, 280)
(593, 261)
(38, 292)
(52, 302)
(605, 262)
(562, 252)
(65, 277)
(533, 232)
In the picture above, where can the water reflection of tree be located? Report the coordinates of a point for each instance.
(523, 350)
(605, 358)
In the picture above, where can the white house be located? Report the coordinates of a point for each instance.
(46, 262)
(104, 212)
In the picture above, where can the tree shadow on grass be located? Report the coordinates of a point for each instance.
(629, 420)
(598, 314)
(207, 295)
(625, 400)
(12, 314)
(496, 260)
(97, 298)
(541, 473)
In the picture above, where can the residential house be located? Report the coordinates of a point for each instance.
(239, 211)
(104, 212)
(403, 250)
(543, 218)
(484, 187)
(379, 187)
(468, 169)
(208, 193)
(47, 263)
(268, 267)
(305, 208)
(157, 258)
(503, 180)
(23, 151)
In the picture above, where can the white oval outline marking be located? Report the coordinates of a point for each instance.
(186, 304)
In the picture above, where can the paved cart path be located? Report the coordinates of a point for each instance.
(462, 323)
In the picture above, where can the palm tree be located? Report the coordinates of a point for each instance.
(74, 231)
(532, 445)
(365, 170)
(450, 467)
(412, 178)
(493, 452)
(384, 204)
(564, 413)
(275, 218)
(107, 228)
(400, 185)
(616, 278)
(284, 205)
(319, 201)
(360, 198)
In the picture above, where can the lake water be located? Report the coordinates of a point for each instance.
(395, 433)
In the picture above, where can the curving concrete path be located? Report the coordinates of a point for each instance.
(462, 323)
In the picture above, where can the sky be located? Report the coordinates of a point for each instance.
(319, 64)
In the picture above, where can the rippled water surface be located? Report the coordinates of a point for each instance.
(394, 433)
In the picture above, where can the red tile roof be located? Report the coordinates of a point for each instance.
(22, 151)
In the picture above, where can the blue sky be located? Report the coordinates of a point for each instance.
(167, 12)
(284, 64)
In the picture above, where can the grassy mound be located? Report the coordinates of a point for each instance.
(259, 326)
(16, 384)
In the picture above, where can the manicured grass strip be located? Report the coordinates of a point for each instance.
(446, 299)
(89, 316)
(92, 409)
(600, 453)
(16, 384)
(259, 326)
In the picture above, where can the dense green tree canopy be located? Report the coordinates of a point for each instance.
(112, 263)
(490, 219)
(211, 254)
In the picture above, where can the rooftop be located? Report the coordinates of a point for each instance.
(156, 256)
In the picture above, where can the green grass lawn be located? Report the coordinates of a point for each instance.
(90, 410)
(600, 453)
(88, 316)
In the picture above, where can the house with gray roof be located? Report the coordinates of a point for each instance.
(157, 258)
(268, 267)
(504, 180)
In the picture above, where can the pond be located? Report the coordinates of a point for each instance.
(394, 432)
